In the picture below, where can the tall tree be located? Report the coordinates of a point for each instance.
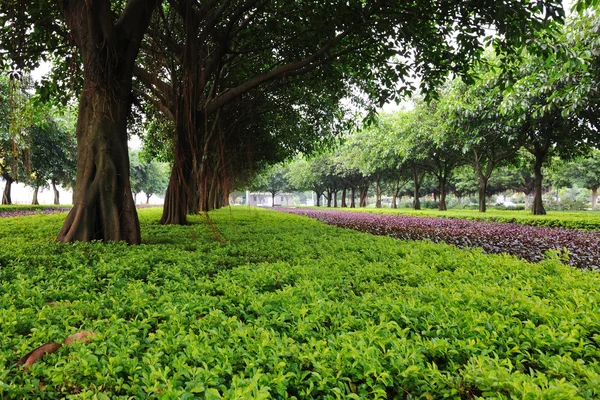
(107, 35)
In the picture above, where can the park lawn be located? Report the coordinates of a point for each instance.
(588, 220)
(287, 307)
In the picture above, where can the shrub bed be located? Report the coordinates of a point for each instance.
(287, 307)
(584, 220)
(577, 248)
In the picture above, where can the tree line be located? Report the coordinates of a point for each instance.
(547, 116)
(224, 87)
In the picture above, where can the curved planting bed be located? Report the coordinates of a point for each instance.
(577, 248)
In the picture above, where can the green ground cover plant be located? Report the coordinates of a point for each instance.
(28, 207)
(287, 307)
(588, 220)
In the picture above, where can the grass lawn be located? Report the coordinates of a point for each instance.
(287, 307)
(562, 219)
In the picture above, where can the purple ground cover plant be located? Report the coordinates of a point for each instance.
(22, 213)
(579, 248)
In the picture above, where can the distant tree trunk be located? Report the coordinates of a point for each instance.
(353, 197)
(6, 195)
(442, 203)
(273, 199)
(35, 201)
(377, 194)
(318, 199)
(56, 194)
(416, 188)
(134, 198)
(335, 203)
(527, 205)
(364, 192)
(329, 193)
(103, 207)
(482, 193)
(148, 198)
(538, 204)
(594, 197)
(344, 205)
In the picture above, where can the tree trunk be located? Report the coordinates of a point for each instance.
(272, 199)
(318, 199)
(103, 207)
(56, 193)
(344, 205)
(416, 188)
(377, 194)
(6, 199)
(148, 198)
(482, 193)
(35, 201)
(329, 194)
(364, 192)
(526, 199)
(594, 198)
(442, 203)
(538, 204)
(353, 197)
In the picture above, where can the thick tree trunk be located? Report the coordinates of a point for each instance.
(318, 199)
(353, 197)
(335, 202)
(538, 204)
(56, 193)
(594, 198)
(6, 199)
(344, 205)
(329, 194)
(377, 194)
(181, 196)
(416, 188)
(442, 202)
(103, 207)
(35, 201)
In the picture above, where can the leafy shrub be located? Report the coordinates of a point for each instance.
(288, 307)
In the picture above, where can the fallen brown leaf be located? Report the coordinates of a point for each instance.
(30, 358)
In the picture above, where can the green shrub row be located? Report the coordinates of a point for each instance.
(286, 307)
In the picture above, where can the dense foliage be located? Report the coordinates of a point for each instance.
(581, 249)
(289, 307)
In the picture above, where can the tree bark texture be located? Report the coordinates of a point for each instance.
(538, 204)
(6, 199)
(35, 201)
(377, 194)
(482, 193)
(364, 192)
(442, 202)
(344, 205)
(416, 188)
(56, 194)
(353, 197)
(103, 207)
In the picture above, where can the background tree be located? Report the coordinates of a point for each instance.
(273, 180)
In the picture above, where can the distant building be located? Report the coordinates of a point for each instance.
(266, 199)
